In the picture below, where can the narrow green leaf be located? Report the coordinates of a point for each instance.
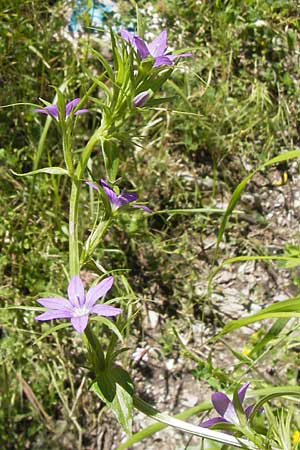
(25, 308)
(50, 170)
(261, 258)
(61, 104)
(99, 83)
(111, 159)
(115, 389)
(186, 427)
(239, 408)
(140, 21)
(52, 330)
(241, 186)
(194, 211)
(159, 101)
(39, 54)
(104, 63)
(237, 259)
(109, 324)
(285, 309)
(272, 333)
(273, 392)
(180, 92)
(152, 429)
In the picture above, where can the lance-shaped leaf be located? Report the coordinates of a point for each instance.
(115, 389)
(50, 170)
(111, 159)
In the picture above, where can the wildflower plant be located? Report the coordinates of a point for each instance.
(126, 86)
(138, 72)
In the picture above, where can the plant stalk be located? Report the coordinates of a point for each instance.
(74, 261)
(95, 350)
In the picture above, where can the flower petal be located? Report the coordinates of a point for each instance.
(80, 322)
(81, 111)
(71, 105)
(158, 46)
(127, 35)
(179, 55)
(127, 197)
(242, 392)
(54, 314)
(112, 196)
(162, 61)
(76, 291)
(230, 414)
(140, 99)
(145, 208)
(141, 47)
(53, 111)
(41, 110)
(106, 310)
(248, 410)
(213, 421)
(95, 292)
(220, 402)
(92, 185)
(58, 303)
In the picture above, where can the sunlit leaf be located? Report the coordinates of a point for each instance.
(115, 389)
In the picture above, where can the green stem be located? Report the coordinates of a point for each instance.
(94, 139)
(73, 229)
(95, 349)
(66, 138)
(94, 239)
(74, 262)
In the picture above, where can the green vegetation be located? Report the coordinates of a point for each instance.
(227, 111)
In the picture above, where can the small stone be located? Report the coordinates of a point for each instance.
(153, 318)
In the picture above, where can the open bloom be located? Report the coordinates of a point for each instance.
(79, 305)
(117, 201)
(52, 110)
(157, 48)
(225, 407)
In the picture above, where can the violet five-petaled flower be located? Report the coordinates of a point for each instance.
(52, 110)
(157, 48)
(225, 407)
(117, 201)
(79, 305)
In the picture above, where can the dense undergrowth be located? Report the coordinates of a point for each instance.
(230, 108)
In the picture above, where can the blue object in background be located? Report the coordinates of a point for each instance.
(97, 13)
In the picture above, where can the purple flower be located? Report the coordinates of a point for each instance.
(117, 201)
(140, 99)
(52, 110)
(79, 305)
(157, 48)
(225, 407)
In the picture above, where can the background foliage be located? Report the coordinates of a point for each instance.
(235, 105)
